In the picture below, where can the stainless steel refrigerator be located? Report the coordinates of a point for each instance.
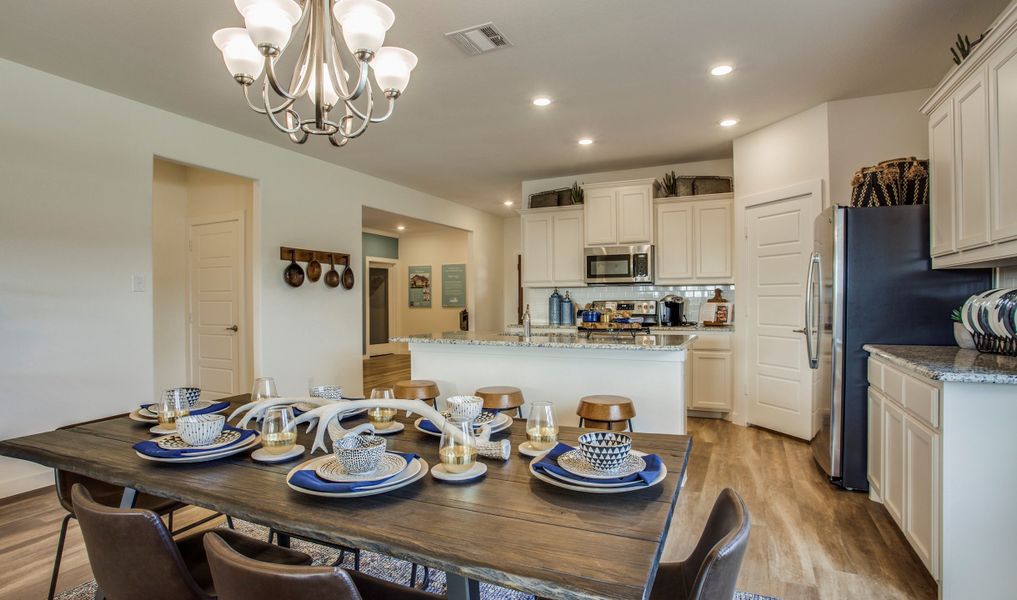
(870, 281)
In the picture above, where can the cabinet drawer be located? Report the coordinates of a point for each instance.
(875, 374)
(893, 384)
(719, 341)
(922, 400)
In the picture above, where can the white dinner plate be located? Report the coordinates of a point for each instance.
(206, 456)
(574, 462)
(592, 489)
(173, 441)
(391, 464)
(606, 484)
(500, 423)
(477, 470)
(135, 415)
(414, 471)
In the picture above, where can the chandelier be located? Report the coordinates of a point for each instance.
(249, 52)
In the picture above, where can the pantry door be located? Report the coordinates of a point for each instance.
(779, 231)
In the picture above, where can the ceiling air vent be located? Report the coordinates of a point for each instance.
(479, 39)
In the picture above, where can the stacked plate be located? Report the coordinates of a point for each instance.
(566, 467)
(497, 421)
(992, 313)
(324, 476)
(173, 449)
(146, 412)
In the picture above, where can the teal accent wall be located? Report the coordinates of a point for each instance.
(378, 246)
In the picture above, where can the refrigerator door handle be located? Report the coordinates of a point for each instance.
(814, 360)
(807, 330)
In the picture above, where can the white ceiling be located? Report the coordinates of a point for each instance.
(632, 75)
(383, 221)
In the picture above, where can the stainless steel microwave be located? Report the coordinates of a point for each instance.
(619, 264)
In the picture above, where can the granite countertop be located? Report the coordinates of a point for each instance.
(950, 363)
(572, 340)
(514, 328)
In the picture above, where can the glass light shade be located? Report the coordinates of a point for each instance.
(239, 52)
(392, 67)
(329, 94)
(364, 23)
(269, 21)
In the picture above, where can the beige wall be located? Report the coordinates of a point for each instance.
(179, 194)
(435, 249)
(722, 167)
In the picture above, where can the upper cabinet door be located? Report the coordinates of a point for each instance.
(712, 232)
(600, 217)
(674, 242)
(1002, 72)
(635, 215)
(941, 179)
(567, 260)
(536, 249)
(972, 116)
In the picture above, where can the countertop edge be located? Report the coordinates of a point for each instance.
(585, 345)
(939, 374)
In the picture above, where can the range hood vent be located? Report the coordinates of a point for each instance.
(479, 39)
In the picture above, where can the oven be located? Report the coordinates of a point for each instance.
(619, 264)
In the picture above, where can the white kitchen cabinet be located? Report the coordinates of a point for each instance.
(695, 240)
(972, 150)
(711, 372)
(619, 213)
(552, 247)
(921, 494)
(875, 458)
(893, 460)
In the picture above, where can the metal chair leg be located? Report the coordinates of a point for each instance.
(229, 522)
(427, 579)
(356, 559)
(169, 521)
(59, 555)
(413, 575)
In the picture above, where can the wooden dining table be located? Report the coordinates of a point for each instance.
(507, 528)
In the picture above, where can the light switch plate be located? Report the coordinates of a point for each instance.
(137, 283)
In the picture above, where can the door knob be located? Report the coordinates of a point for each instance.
(234, 329)
(801, 331)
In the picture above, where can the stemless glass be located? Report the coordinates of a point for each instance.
(541, 427)
(382, 418)
(277, 437)
(264, 388)
(172, 405)
(458, 453)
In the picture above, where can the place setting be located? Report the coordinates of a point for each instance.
(188, 397)
(360, 465)
(198, 438)
(465, 406)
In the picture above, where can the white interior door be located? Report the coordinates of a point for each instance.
(779, 232)
(216, 306)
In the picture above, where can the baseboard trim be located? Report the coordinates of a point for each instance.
(26, 483)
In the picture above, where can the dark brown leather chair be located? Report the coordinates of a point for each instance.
(711, 571)
(238, 577)
(133, 555)
(104, 493)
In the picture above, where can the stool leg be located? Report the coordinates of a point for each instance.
(630, 426)
(581, 421)
(519, 412)
(229, 522)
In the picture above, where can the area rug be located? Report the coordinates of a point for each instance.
(378, 565)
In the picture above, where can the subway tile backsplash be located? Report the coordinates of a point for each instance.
(695, 296)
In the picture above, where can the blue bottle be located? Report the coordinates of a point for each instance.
(568, 311)
(554, 308)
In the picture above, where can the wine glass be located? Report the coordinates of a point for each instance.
(382, 418)
(277, 435)
(458, 453)
(264, 388)
(541, 427)
(173, 404)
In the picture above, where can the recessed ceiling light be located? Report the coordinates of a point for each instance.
(729, 122)
(541, 101)
(508, 203)
(585, 142)
(721, 70)
(401, 227)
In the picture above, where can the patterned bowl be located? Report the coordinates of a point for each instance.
(200, 430)
(359, 454)
(465, 407)
(328, 392)
(606, 450)
(191, 394)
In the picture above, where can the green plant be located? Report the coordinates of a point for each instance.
(577, 193)
(955, 315)
(669, 184)
(964, 46)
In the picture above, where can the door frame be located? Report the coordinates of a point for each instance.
(242, 335)
(811, 187)
(393, 284)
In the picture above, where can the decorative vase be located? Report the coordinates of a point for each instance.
(963, 336)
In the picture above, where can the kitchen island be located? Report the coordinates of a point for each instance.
(561, 368)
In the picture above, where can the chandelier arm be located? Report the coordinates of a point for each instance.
(341, 85)
(365, 120)
(271, 116)
(278, 109)
(318, 56)
(388, 113)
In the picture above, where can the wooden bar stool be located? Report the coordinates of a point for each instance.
(417, 389)
(501, 398)
(606, 412)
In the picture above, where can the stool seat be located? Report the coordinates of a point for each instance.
(416, 389)
(606, 411)
(501, 397)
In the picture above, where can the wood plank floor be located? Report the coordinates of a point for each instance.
(809, 540)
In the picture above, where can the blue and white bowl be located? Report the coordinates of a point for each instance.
(359, 454)
(464, 407)
(200, 430)
(328, 392)
(605, 450)
(191, 394)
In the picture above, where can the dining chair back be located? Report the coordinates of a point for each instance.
(131, 552)
(711, 570)
(238, 577)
